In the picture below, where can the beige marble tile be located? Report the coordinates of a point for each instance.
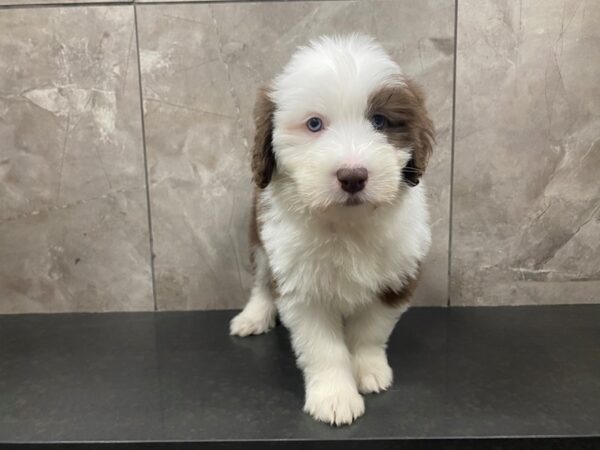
(201, 67)
(71, 162)
(90, 255)
(526, 210)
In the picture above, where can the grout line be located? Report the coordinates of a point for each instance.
(66, 5)
(147, 177)
(452, 138)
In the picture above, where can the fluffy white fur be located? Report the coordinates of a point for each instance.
(330, 261)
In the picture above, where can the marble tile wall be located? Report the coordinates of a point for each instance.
(73, 211)
(74, 229)
(526, 209)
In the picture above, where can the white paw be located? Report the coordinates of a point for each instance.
(252, 321)
(335, 406)
(372, 371)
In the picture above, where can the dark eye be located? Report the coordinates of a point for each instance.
(378, 121)
(314, 124)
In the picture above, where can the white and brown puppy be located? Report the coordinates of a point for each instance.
(340, 223)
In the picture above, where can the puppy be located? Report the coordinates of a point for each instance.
(340, 224)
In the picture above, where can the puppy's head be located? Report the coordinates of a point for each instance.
(341, 126)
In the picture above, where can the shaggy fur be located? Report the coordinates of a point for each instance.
(339, 267)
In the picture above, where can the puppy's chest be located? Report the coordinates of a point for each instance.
(327, 264)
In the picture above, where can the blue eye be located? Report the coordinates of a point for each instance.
(378, 121)
(314, 124)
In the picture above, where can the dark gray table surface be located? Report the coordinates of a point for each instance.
(178, 376)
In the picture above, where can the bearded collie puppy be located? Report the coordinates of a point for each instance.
(340, 224)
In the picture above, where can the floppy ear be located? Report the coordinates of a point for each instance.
(263, 158)
(422, 135)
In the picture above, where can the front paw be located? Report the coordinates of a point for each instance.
(252, 321)
(372, 372)
(334, 405)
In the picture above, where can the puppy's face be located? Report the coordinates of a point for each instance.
(341, 126)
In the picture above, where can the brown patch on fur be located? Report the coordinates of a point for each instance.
(274, 288)
(394, 298)
(263, 158)
(255, 240)
(408, 124)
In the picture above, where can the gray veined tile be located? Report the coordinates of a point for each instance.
(201, 66)
(73, 219)
(88, 256)
(526, 226)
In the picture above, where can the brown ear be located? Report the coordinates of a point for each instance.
(263, 158)
(422, 135)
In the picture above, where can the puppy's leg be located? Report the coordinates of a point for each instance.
(318, 341)
(260, 312)
(367, 332)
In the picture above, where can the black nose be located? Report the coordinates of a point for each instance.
(353, 180)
